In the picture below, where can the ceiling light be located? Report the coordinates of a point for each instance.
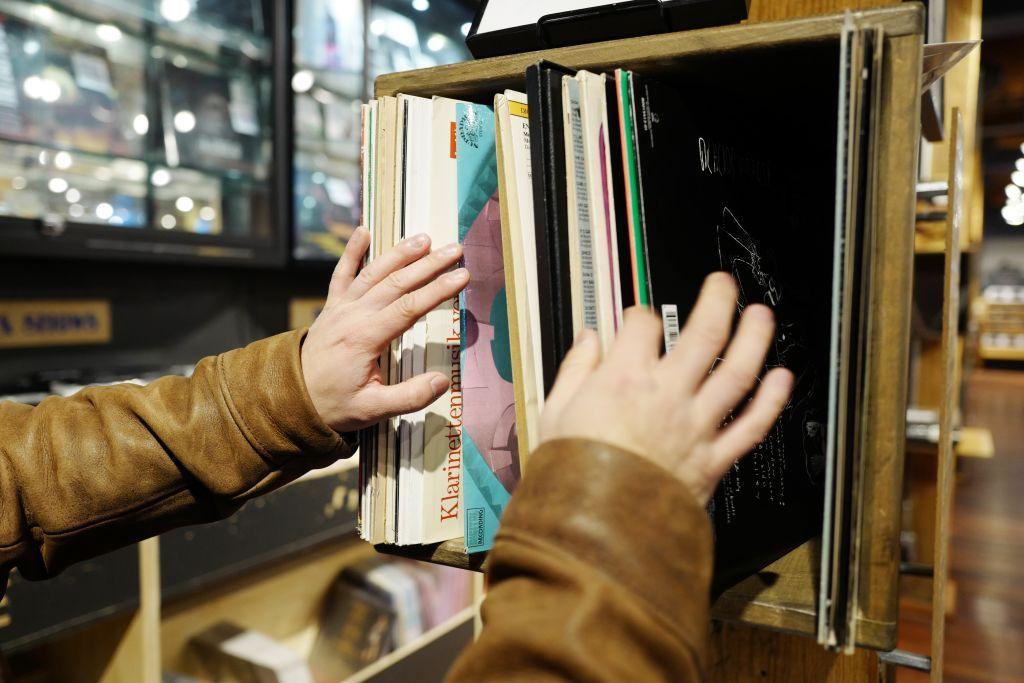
(175, 10)
(33, 87)
(207, 213)
(44, 13)
(1018, 178)
(465, 28)
(184, 121)
(1013, 211)
(72, 195)
(1013, 192)
(421, 5)
(302, 81)
(160, 177)
(184, 204)
(57, 185)
(140, 124)
(104, 211)
(436, 42)
(167, 221)
(62, 160)
(108, 33)
(50, 92)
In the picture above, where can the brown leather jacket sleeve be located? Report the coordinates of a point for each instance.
(111, 465)
(600, 572)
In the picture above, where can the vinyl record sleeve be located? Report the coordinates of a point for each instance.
(719, 194)
(490, 450)
(547, 157)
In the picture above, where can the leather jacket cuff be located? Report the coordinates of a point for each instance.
(268, 398)
(623, 515)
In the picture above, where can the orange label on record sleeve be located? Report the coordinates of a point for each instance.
(453, 145)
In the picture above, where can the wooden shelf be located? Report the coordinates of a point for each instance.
(999, 353)
(739, 56)
(450, 553)
(404, 653)
(280, 601)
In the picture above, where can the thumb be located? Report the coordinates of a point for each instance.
(406, 397)
(348, 265)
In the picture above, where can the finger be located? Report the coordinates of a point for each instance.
(706, 331)
(639, 339)
(399, 256)
(399, 316)
(413, 276)
(754, 423)
(576, 367)
(383, 401)
(735, 376)
(348, 265)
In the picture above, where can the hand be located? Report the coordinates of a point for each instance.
(362, 315)
(670, 409)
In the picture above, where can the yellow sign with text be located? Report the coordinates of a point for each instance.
(303, 311)
(29, 324)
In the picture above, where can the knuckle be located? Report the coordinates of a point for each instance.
(407, 305)
(395, 281)
(710, 334)
(367, 276)
(735, 376)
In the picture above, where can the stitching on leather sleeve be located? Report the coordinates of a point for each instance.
(236, 415)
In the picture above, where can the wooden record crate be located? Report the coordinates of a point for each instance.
(765, 57)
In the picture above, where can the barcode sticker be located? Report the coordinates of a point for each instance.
(670, 325)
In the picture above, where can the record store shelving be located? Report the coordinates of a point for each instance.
(763, 623)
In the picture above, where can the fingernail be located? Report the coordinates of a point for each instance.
(761, 311)
(781, 381)
(720, 278)
(418, 241)
(451, 250)
(459, 275)
(438, 384)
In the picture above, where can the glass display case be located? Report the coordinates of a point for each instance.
(139, 128)
(339, 47)
(197, 129)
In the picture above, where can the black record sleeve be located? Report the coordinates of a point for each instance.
(720, 194)
(547, 158)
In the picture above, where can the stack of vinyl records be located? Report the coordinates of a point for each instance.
(590, 193)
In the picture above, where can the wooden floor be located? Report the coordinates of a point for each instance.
(985, 636)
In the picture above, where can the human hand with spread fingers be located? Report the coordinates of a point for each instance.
(366, 309)
(601, 569)
(670, 408)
